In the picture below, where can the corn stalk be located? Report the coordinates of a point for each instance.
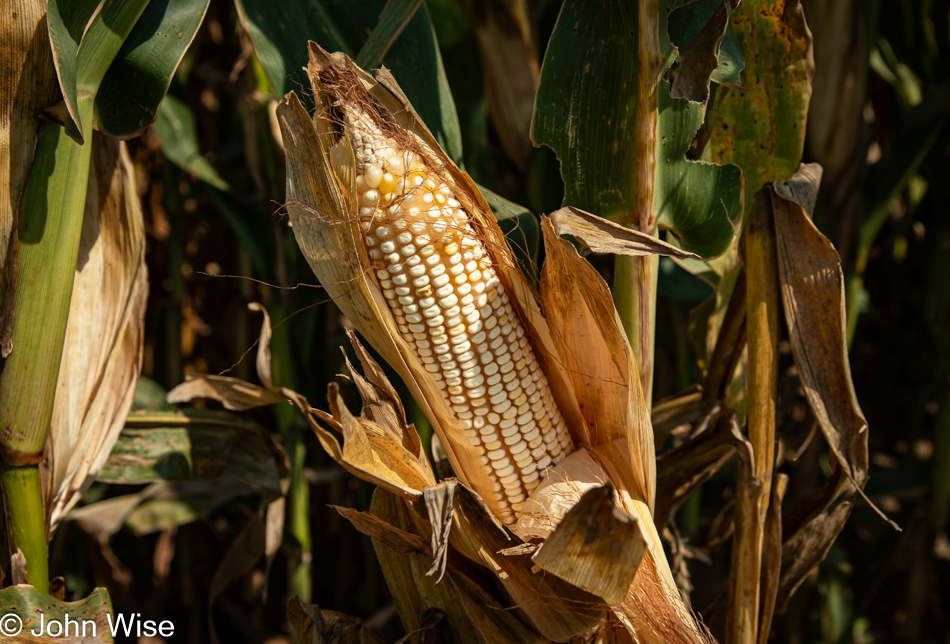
(49, 231)
(74, 281)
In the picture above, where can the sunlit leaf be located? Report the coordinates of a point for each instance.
(138, 78)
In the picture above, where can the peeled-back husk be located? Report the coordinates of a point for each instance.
(579, 308)
(579, 343)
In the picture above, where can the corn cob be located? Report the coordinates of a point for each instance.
(450, 306)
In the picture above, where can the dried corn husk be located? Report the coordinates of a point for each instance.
(580, 343)
(589, 567)
(102, 354)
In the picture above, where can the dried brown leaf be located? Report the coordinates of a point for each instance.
(810, 529)
(412, 589)
(812, 287)
(597, 357)
(372, 526)
(813, 293)
(683, 469)
(439, 502)
(232, 393)
(691, 80)
(687, 412)
(102, 354)
(597, 546)
(316, 626)
(601, 367)
(374, 452)
(557, 609)
(605, 237)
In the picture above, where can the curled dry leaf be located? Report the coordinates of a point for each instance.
(812, 287)
(316, 626)
(388, 535)
(373, 451)
(604, 236)
(691, 80)
(102, 354)
(597, 546)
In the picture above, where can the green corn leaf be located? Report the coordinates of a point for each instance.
(521, 229)
(762, 129)
(133, 88)
(190, 445)
(280, 38)
(194, 462)
(413, 57)
(700, 202)
(86, 38)
(179, 136)
(586, 111)
(392, 21)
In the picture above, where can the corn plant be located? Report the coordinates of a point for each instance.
(540, 397)
(74, 280)
(554, 444)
